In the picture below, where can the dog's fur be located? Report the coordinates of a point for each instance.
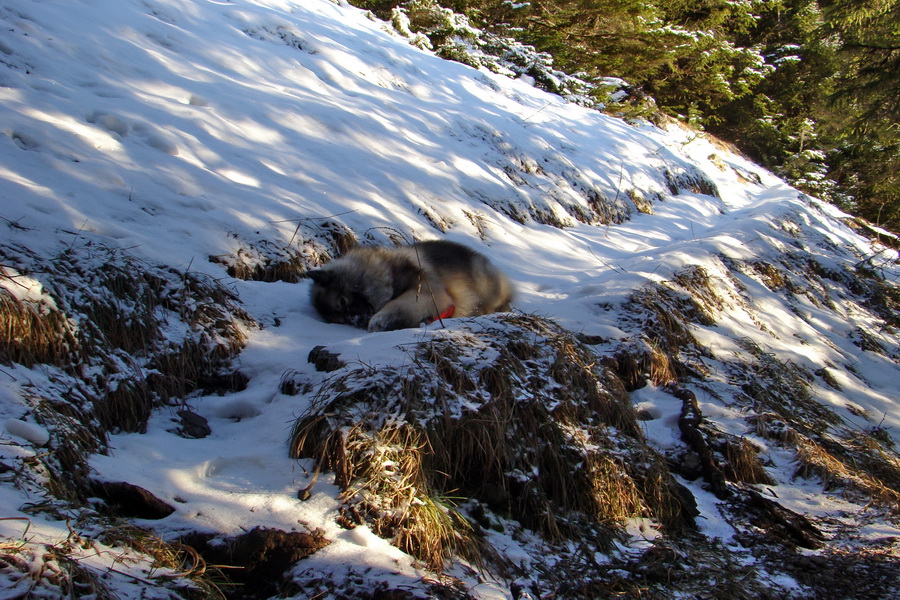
(395, 288)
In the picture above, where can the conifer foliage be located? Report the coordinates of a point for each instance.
(867, 96)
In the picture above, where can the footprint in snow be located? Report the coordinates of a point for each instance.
(157, 12)
(123, 128)
(25, 141)
(110, 122)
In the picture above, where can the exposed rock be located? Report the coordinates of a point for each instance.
(124, 499)
(325, 360)
(193, 425)
(689, 423)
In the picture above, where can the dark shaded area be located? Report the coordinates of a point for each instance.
(127, 500)
(260, 558)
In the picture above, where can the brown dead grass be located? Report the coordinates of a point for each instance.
(783, 388)
(315, 241)
(75, 436)
(667, 351)
(382, 472)
(32, 332)
(100, 326)
(67, 569)
(855, 462)
(538, 431)
(742, 463)
(120, 328)
(176, 561)
(851, 468)
(706, 299)
(101, 322)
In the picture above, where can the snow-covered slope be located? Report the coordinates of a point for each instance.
(211, 140)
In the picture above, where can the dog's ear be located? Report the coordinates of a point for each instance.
(405, 275)
(321, 276)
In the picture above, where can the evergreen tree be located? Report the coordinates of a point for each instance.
(779, 122)
(866, 104)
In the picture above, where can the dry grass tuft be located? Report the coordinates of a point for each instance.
(826, 448)
(783, 388)
(853, 467)
(742, 463)
(121, 310)
(315, 241)
(32, 331)
(881, 296)
(665, 313)
(514, 412)
(41, 571)
(661, 367)
(704, 292)
(256, 264)
(771, 275)
(75, 435)
(178, 562)
(855, 461)
(668, 314)
(69, 569)
(772, 426)
(382, 473)
(694, 567)
(641, 203)
(691, 180)
(637, 363)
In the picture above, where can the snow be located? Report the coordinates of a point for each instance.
(183, 130)
(34, 434)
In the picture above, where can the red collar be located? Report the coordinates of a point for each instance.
(444, 315)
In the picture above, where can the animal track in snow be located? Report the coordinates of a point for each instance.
(124, 127)
(24, 140)
(157, 12)
(109, 122)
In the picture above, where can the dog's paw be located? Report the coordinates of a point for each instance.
(385, 321)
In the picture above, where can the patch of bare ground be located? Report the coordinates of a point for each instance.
(256, 563)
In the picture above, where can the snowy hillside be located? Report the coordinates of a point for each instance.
(695, 395)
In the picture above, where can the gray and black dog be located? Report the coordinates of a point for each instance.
(394, 288)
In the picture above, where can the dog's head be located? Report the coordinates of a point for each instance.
(341, 298)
